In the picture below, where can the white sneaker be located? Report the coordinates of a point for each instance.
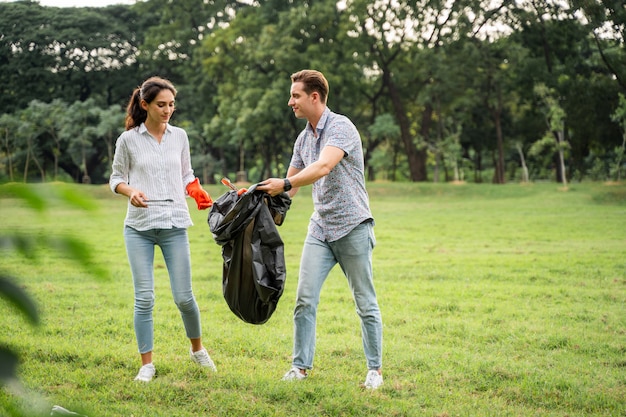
(202, 358)
(146, 373)
(294, 374)
(373, 380)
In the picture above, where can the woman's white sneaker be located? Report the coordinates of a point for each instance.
(373, 380)
(202, 358)
(294, 374)
(146, 373)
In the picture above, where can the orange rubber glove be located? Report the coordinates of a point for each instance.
(241, 191)
(195, 191)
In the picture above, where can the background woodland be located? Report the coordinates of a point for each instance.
(469, 90)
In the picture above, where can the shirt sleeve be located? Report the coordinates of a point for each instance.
(120, 166)
(296, 158)
(186, 169)
(344, 135)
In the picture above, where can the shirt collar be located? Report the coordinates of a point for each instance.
(322, 122)
(143, 129)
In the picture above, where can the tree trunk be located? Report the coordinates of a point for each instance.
(222, 159)
(436, 169)
(416, 159)
(478, 168)
(497, 119)
(620, 156)
(559, 136)
(86, 178)
(500, 146)
(394, 163)
(523, 162)
(26, 166)
(9, 157)
(29, 154)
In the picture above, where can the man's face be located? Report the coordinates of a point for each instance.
(300, 102)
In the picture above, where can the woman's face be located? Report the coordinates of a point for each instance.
(160, 109)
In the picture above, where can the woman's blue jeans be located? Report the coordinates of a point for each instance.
(353, 253)
(174, 245)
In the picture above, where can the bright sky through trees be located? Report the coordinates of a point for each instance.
(80, 3)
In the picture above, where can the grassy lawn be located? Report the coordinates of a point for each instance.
(496, 300)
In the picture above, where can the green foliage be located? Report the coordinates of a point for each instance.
(16, 243)
(620, 117)
(80, 137)
(436, 67)
(555, 120)
(384, 127)
(20, 300)
(598, 170)
(68, 54)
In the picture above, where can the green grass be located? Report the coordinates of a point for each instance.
(496, 300)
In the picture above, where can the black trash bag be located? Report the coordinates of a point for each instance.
(253, 276)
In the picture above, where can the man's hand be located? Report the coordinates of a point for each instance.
(272, 186)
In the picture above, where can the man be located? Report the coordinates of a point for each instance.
(328, 154)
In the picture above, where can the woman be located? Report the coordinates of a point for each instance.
(152, 167)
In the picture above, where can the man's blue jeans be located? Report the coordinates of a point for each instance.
(353, 253)
(174, 245)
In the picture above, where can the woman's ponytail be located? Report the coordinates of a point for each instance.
(135, 114)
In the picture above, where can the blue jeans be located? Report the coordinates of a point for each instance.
(174, 245)
(353, 253)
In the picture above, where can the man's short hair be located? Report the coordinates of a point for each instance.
(314, 81)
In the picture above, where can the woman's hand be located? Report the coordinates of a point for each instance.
(137, 198)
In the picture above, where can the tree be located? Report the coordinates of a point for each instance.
(385, 35)
(555, 121)
(385, 131)
(607, 23)
(49, 117)
(268, 45)
(80, 128)
(560, 54)
(171, 44)
(109, 127)
(440, 68)
(9, 126)
(620, 117)
(405, 47)
(69, 54)
(28, 132)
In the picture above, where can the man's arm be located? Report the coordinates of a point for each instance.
(290, 173)
(329, 157)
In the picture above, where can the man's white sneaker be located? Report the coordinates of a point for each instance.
(146, 373)
(373, 380)
(294, 374)
(202, 358)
